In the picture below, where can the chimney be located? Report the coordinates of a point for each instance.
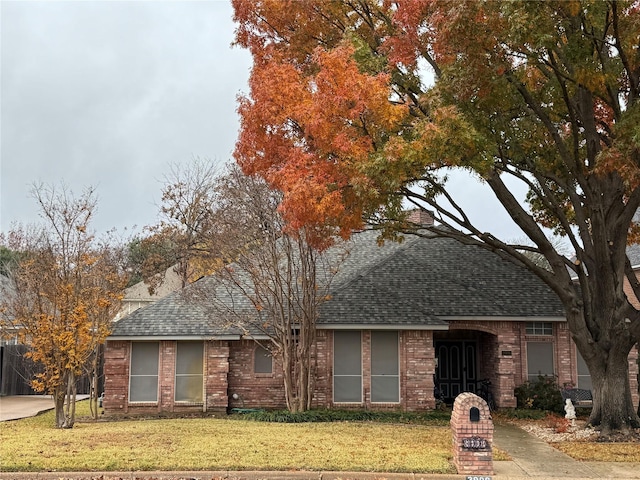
(421, 217)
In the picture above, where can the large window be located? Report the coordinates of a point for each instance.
(189, 372)
(347, 367)
(539, 360)
(262, 360)
(385, 367)
(143, 383)
(584, 376)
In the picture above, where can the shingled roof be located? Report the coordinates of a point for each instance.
(421, 283)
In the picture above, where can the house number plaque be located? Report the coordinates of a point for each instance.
(475, 443)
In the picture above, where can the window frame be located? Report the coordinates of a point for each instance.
(531, 377)
(256, 351)
(189, 375)
(133, 376)
(379, 376)
(540, 329)
(360, 376)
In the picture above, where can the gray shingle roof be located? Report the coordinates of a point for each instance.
(445, 278)
(416, 283)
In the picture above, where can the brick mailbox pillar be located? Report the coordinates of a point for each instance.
(472, 430)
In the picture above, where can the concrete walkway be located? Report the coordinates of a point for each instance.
(535, 458)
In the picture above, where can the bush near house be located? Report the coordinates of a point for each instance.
(541, 394)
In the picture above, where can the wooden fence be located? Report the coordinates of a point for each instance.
(16, 372)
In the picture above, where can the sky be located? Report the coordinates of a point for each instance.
(111, 94)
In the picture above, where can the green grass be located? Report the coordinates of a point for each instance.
(233, 443)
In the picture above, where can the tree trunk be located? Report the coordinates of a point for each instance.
(612, 405)
(70, 401)
(58, 399)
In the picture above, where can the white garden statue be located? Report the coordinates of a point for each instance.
(570, 409)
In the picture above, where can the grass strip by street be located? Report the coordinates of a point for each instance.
(33, 444)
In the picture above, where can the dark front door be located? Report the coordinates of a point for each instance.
(457, 368)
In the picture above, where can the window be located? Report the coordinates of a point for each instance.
(539, 360)
(539, 328)
(584, 377)
(385, 367)
(347, 367)
(189, 379)
(143, 383)
(262, 360)
(8, 341)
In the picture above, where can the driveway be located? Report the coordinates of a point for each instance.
(21, 406)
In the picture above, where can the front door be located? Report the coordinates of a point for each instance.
(457, 368)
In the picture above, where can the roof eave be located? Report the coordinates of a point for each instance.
(156, 338)
(509, 318)
(377, 326)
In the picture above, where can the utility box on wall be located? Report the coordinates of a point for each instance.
(472, 429)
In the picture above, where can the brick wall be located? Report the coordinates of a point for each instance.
(229, 370)
(216, 375)
(323, 383)
(471, 460)
(116, 376)
(417, 365)
(117, 362)
(253, 390)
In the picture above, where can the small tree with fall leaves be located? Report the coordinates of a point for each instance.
(66, 289)
(273, 283)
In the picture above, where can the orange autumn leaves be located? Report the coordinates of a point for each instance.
(340, 114)
(309, 134)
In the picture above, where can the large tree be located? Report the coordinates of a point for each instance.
(65, 290)
(343, 118)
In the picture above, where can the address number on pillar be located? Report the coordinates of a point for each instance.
(475, 443)
(473, 477)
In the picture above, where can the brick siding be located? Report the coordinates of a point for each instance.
(229, 370)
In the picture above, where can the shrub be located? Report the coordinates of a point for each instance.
(522, 413)
(557, 423)
(433, 417)
(542, 394)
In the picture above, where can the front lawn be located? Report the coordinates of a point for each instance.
(222, 444)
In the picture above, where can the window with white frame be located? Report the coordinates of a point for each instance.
(539, 360)
(189, 372)
(385, 367)
(347, 367)
(143, 377)
(262, 360)
(539, 328)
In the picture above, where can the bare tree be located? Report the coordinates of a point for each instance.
(188, 197)
(273, 282)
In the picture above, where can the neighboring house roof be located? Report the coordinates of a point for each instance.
(138, 295)
(171, 282)
(419, 284)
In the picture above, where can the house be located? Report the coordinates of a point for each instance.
(139, 295)
(402, 318)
